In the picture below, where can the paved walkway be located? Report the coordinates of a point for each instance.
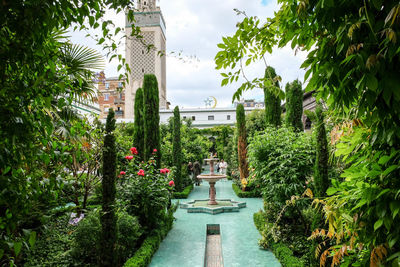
(184, 246)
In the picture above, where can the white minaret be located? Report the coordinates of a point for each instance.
(151, 22)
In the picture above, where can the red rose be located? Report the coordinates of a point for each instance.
(122, 173)
(141, 172)
(171, 183)
(162, 171)
(134, 151)
(154, 150)
(129, 157)
(166, 170)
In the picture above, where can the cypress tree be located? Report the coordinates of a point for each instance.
(272, 102)
(177, 149)
(321, 178)
(294, 105)
(242, 142)
(151, 118)
(138, 134)
(107, 217)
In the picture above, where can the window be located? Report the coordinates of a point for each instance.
(142, 52)
(107, 85)
(211, 118)
(193, 118)
(118, 108)
(106, 97)
(184, 117)
(106, 108)
(120, 84)
(142, 70)
(120, 96)
(228, 117)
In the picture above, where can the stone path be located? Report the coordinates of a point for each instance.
(184, 246)
(213, 252)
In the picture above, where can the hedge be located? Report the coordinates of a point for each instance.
(143, 255)
(244, 194)
(184, 194)
(283, 253)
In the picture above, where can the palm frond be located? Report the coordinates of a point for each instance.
(78, 57)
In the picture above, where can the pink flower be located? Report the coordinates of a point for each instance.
(154, 150)
(122, 173)
(129, 157)
(141, 172)
(134, 150)
(165, 170)
(171, 183)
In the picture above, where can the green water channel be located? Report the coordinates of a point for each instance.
(184, 246)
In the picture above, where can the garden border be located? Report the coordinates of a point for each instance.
(184, 194)
(244, 194)
(282, 252)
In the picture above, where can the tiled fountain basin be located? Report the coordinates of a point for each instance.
(202, 206)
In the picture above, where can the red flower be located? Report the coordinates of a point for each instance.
(166, 170)
(162, 171)
(122, 173)
(129, 157)
(141, 172)
(154, 150)
(171, 183)
(134, 151)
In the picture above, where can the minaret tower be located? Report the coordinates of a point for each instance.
(149, 18)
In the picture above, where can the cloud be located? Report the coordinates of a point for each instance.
(195, 27)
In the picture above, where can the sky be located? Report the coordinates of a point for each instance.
(194, 28)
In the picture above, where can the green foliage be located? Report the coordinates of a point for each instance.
(53, 245)
(255, 122)
(85, 247)
(272, 101)
(195, 145)
(244, 194)
(294, 105)
(177, 150)
(108, 222)
(281, 160)
(321, 179)
(369, 190)
(242, 142)
(280, 250)
(142, 257)
(144, 192)
(151, 118)
(184, 194)
(138, 134)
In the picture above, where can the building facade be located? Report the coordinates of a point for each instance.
(205, 117)
(143, 60)
(111, 94)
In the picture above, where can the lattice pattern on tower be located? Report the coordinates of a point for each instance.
(142, 61)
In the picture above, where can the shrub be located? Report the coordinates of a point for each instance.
(242, 142)
(108, 233)
(144, 191)
(52, 247)
(272, 101)
(184, 194)
(138, 134)
(281, 161)
(151, 118)
(244, 194)
(321, 179)
(294, 105)
(85, 247)
(177, 150)
(143, 255)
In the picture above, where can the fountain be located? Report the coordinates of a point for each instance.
(212, 178)
(211, 205)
